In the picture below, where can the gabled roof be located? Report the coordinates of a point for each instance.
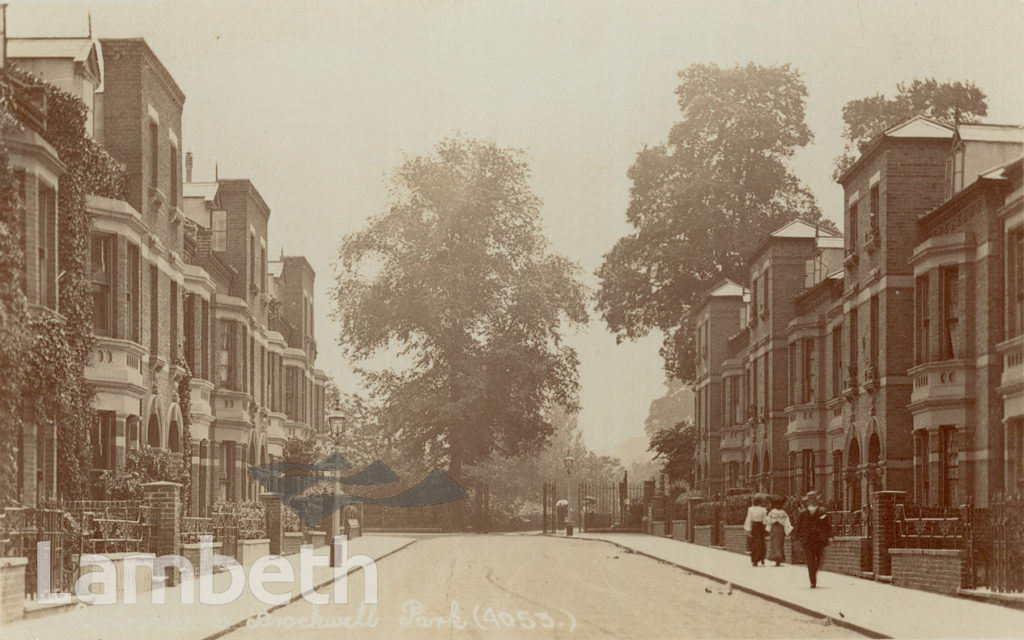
(919, 127)
(76, 49)
(205, 190)
(83, 50)
(992, 177)
(795, 228)
(1001, 172)
(980, 132)
(916, 127)
(799, 229)
(725, 289)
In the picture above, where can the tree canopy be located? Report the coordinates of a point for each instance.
(701, 201)
(457, 281)
(668, 410)
(674, 447)
(945, 102)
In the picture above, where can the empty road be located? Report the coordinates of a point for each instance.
(535, 586)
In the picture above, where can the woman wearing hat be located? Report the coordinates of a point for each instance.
(813, 530)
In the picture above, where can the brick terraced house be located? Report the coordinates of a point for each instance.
(180, 276)
(828, 384)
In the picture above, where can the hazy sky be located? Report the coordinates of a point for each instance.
(315, 100)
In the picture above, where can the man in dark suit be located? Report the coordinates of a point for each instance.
(813, 530)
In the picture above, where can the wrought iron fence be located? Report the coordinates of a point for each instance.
(851, 523)
(111, 526)
(193, 528)
(921, 527)
(22, 528)
(610, 505)
(1006, 544)
(71, 529)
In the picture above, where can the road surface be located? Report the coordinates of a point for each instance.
(530, 586)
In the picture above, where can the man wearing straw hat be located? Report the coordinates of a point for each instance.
(813, 530)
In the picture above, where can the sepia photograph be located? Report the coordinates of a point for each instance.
(626, 319)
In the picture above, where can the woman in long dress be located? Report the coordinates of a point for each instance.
(777, 523)
(754, 526)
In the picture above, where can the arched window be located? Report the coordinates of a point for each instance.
(153, 431)
(852, 462)
(174, 438)
(874, 449)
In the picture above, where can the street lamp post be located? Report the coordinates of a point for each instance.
(568, 470)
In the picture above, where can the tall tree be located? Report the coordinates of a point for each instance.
(671, 408)
(945, 102)
(702, 200)
(457, 280)
(674, 447)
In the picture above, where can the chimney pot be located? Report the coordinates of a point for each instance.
(188, 166)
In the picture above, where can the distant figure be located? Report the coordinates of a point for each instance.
(754, 526)
(813, 530)
(778, 526)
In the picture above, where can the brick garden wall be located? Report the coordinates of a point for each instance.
(735, 538)
(292, 542)
(12, 589)
(702, 535)
(679, 530)
(848, 555)
(938, 570)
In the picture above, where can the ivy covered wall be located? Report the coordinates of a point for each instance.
(50, 388)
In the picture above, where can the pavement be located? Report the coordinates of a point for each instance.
(873, 608)
(173, 619)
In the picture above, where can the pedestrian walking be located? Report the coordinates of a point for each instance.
(754, 526)
(813, 530)
(778, 526)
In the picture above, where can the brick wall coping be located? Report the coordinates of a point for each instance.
(195, 545)
(255, 541)
(862, 538)
(293, 534)
(13, 562)
(123, 554)
(925, 552)
(162, 483)
(324, 533)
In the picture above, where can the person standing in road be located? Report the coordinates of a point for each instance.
(777, 525)
(754, 526)
(813, 530)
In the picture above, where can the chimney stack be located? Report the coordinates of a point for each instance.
(188, 166)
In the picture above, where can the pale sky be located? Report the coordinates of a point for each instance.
(315, 101)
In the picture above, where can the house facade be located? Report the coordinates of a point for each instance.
(829, 385)
(181, 285)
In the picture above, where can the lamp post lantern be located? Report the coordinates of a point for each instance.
(336, 423)
(569, 460)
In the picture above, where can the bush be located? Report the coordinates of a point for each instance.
(704, 513)
(735, 508)
(141, 466)
(248, 518)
